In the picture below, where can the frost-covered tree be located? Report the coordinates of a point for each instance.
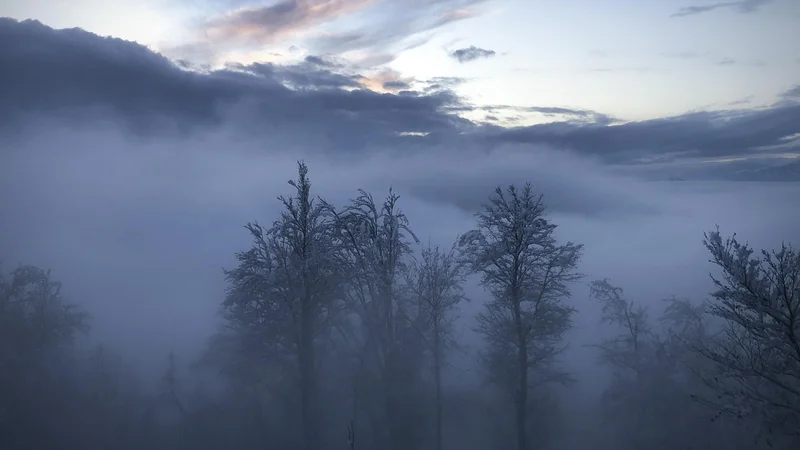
(528, 273)
(374, 241)
(648, 402)
(756, 356)
(35, 318)
(625, 352)
(641, 387)
(282, 297)
(436, 280)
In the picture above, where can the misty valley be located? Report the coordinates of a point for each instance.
(342, 328)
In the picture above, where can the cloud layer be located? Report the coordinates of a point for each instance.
(72, 76)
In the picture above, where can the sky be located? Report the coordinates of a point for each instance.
(129, 164)
(633, 60)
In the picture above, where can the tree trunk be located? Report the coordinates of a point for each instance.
(307, 383)
(522, 417)
(522, 388)
(396, 386)
(437, 371)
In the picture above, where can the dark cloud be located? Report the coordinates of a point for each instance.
(78, 75)
(579, 113)
(741, 101)
(744, 7)
(701, 134)
(726, 62)
(443, 83)
(471, 53)
(779, 166)
(570, 115)
(320, 61)
(396, 84)
(298, 77)
(792, 94)
(759, 170)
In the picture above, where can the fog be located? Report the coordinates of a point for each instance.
(139, 231)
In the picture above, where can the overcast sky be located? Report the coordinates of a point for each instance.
(129, 169)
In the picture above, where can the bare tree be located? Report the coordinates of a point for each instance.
(437, 282)
(528, 275)
(756, 355)
(283, 293)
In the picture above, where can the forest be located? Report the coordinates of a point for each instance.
(340, 325)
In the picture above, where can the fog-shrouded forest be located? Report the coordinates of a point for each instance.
(343, 327)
